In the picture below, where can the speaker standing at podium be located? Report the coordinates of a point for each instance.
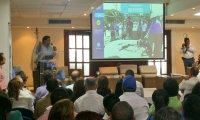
(187, 50)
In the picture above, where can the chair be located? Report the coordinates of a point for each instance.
(149, 73)
(108, 71)
(25, 112)
(124, 67)
(26, 118)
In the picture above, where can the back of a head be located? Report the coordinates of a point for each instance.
(23, 76)
(109, 101)
(196, 89)
(167, 113)
(160, 99)
(129, 72)
(14, 87)
(194, 71)
(87, 115)
(191, 107)
(90, 83)
(122, 111)
(103, 88)
(171, 86)
(59, 94)
(75, 74)
(47, 75)
(62, 110)
(129, 84)
(52, 84)
(5, 107)
(78, 89)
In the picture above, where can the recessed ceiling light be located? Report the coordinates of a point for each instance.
(192, 27)
(85, 14)
(27, 27)
(92, 7)
(197, 14)
(172, 14)
(72, 27)
(193, 8)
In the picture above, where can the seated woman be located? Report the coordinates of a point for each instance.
(78, 89)
(6, 107)
(160, 99)
(103, 84)
(21, 99)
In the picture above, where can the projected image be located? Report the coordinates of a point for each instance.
(127, 30)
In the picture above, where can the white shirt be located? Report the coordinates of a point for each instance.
(25, 101)
(90, 101)
(70, 86)
(139, 90)
(139, 105)
(187, 86)
(189, 53)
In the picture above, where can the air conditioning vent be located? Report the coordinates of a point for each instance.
(59, 21)
(175, 21)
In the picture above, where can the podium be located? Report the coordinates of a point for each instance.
(47, 61)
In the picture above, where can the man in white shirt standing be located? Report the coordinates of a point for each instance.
(90, 100)
(187, 50)
(139, 105)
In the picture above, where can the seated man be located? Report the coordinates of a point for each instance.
(90, 100)
(167, 113)
(43, 103)
(187, 85)
(139, 104)
(75, 74)
(123, 111)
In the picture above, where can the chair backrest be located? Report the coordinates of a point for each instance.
(124, 67)
(25, 112)
(108, 70)
(26, 118)
(148, 69)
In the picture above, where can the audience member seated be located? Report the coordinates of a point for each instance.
(70, 92)
(139, 90)
(87, 115)
(5, 110)
(103, 84)
(62, 110)
(56, 95)
(196, 89)
(123, 111)
(21, 99)
(171, 86)
(108, 102)
(191, 107)
(90, 100)
(139, 104)
(43, 103)
(160, 99)
(167, 113)
(75, 75)
(187, 85)
(42, 91)
(78, 90)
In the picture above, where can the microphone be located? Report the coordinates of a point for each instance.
(52, 44)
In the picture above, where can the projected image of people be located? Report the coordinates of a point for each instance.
(130, 30)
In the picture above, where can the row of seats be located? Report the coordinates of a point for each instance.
(147, 74)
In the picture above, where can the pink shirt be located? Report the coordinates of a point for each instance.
(3, 84)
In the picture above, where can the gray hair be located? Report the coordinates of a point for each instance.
(47, 75)
(90, 82)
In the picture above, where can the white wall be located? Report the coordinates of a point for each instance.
(4, 35)
(177, 41)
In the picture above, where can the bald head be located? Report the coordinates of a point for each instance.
(90, 83)
(75, 74)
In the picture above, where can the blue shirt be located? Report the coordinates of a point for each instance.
(47, 51)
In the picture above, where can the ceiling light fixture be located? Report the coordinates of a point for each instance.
(172, 14)
(193, 8)
(197, 14)
(72, 27)
(92, 7)
(85, 14)
(27, 27)
(192, 27)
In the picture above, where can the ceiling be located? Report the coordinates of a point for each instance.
(80, 9)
